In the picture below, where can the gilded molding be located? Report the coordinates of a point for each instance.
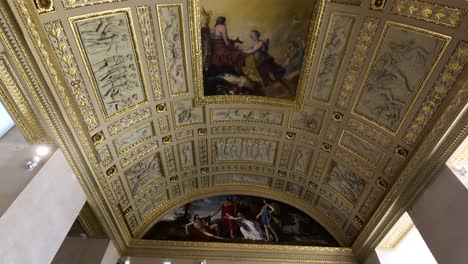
(164, 124)
(371, 133)
(439, 91)
(319, 167)
(253, 168)
(357, 164)
(181, 135)
(105, 155)
(170, 160)
(120, 193)
(429, 12)
(370, 203)
(128, 121)
(68, 4)
(356, 64)
(152, 189)
(138, 153)
(203, 152)
(19, 106)
(337, 199)
(285, 155)
(151, 53)
(397, 233)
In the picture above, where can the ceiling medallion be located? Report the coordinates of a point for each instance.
(382, 183)
(377, 4)
(167, 139)
(98, 138)
(173, 178)
(290, 135)
(358, 221)
(282, 173)
(326, 147)
(204, 170)
(202, 131)
(111, 171)
(313, 185)
(401, 152)
(338, 117)
(161, 108)
(44, 6)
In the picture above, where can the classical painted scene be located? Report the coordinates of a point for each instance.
(247, 51)
(241, 219)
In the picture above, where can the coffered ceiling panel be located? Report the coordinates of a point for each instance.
(374, 75)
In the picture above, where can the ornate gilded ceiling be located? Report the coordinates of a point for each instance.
(379, 73)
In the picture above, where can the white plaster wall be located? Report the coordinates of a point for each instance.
(34, 226)
(441, 216)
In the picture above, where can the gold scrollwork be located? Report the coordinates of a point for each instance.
(146, 26)
(167, 139)
(429, 12)
(326, 147)
(382, 183)
(161, 108)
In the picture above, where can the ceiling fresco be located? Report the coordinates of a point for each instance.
(373, 76)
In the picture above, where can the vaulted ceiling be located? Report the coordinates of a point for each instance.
(378, 74)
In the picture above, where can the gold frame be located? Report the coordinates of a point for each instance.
(296, 103)
(84, 56)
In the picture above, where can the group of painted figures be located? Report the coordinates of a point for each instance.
(232, 220)
(233, 71)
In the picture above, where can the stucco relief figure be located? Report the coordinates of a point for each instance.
(173, 40)
(346, 182)
(143, 172)
(107, 43)
(245, 149)
(310, 119)
(126, 141)
(333, 53)
(186, 114)
(398, 72)
(245, 53)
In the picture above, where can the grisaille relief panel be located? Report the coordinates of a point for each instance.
(108, 48)
(310, 120)
(242, 179)
(244, 149)
(345, 182)
(186, 156)
(130, 139)
(152, 204)
(337, 38)
(170, 23)
(302, 159)
(144, 172)
(331, 211)
(185, 114)
(361, 148)
(247, 115)
(404, 60)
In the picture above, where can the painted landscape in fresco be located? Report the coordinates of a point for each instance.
(247, 51)
(240, 219)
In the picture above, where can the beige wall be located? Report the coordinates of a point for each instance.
(76, 250)
(36, 223)
(441, 216)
